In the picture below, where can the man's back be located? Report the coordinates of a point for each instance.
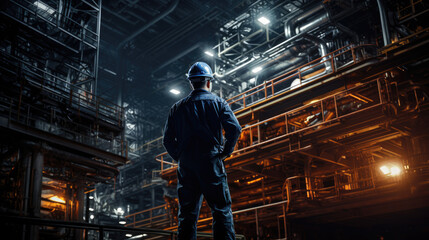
(193, 137)
(194, 127)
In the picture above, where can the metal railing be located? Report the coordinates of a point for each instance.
(313, 116)
(50, 121)
(100, 230)
(414, 6)
(65, 92)
(159, 215)
(32, 13)
(304, 74)
(338, 184)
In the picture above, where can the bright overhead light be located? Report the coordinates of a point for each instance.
(44, 7)
(92, 216)
(256, 69)
(91, 197)
(57, 199)
(174, 91)
(264, 20)
(209, 53)
(395, 171)
(128, 235)
(119, 211)
(139, 236)
(122, 222)
(390, 170)
(252, 80)
(385, 170)
(91, 209)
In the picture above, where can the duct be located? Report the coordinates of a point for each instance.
(291, 23)
(170, 9)
(323, 50)
(319, 20)
(287, 60)
(384, 23)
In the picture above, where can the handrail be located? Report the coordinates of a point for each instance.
(325, 111)
(79, 96)
(101, 228)
(298, 73)
(23, 113)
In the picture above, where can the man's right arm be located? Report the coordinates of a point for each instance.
(169, 140)
(232, 129)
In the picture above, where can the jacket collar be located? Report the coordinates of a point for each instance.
(200, 91)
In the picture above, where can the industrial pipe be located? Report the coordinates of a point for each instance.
(384, 23)
(291, 28)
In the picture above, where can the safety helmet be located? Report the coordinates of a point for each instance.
(200, 71)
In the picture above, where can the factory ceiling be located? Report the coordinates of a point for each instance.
(147, 46)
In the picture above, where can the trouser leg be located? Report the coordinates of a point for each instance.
(218, 198)
(190, 199)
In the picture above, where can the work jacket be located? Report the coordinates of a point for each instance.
(194, 127)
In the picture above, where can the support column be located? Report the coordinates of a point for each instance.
(36, 186)
(36, 190)
(153, 196)
(79, 209)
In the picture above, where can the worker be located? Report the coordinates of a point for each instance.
(193, 137)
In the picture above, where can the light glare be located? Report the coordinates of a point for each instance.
(57, 199)
(91, 217)
(264, 20)
(209, 53)
(122, 222)
(128, 235)
(256, 69)
(385, 170)
(91, 197)
(44, 7)
(395, 171)
(174, 91)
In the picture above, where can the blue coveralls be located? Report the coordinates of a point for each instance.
(193, 137)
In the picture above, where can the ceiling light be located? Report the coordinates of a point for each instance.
(174, 91)
(91, 197)
(252, 80)
(92, 216)
(264, 20)
(209, 53)
(119, 211)
(139, 236)
(257, 69)
(44, 7)
(390, 169)
(128, 235)
(91, 209)
(385, 170)
(122, 222)
(395, 171)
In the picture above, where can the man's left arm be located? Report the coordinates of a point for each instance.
(169, 140)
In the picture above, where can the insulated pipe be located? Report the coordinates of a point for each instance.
(323, 49)
(290, 24)
(289, 53)
(170, 9)
(384, 24)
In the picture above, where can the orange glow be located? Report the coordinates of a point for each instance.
(57, 199)
(256, 180)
